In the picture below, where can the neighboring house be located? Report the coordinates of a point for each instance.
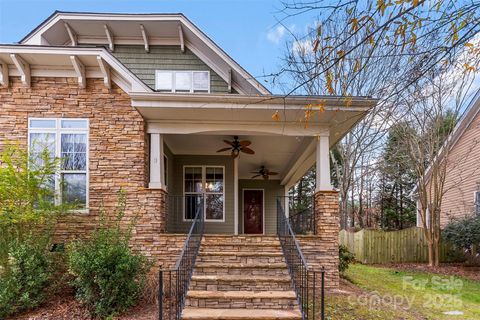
(142, 103)
(462, 175)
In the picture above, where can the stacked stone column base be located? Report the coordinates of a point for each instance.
(321, 249)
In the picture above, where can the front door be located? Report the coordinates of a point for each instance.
(253, 211)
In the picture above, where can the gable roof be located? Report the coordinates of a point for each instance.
(160, 28)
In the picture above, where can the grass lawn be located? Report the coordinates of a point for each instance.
(383, 293)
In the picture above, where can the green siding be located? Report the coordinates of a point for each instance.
(143, 64)
(271, 189)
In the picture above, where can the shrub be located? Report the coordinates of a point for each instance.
(346, 257)
(27, 217)
(25, 278)
(108, 276)
(464, 234)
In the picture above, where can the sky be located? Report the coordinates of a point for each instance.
(246, 29)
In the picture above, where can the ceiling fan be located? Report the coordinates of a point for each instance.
(264, 173)
(236, 146)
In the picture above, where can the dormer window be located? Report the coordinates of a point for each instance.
(182, 81)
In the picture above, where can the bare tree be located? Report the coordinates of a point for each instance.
(383, 49)
(433, 112)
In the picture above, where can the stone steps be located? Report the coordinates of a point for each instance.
(241, 299)
(239, 314)
(252, 269)
(241, 277)
(240, 282)
(241, 257)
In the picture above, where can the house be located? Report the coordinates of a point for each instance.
(462, 174)
(143, 103)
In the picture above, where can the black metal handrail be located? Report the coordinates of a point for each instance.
(304, 279)
(173, 283)
(301, 217)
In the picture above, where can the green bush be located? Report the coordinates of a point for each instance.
(108, 276)
(346, 257)
(27, 217)
(25, 278)
(464, 234)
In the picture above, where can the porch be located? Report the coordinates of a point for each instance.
(185, 133)
(231, 192)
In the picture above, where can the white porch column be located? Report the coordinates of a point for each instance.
(157, 179)
(235, 196)
(287, 202)
(323, 164)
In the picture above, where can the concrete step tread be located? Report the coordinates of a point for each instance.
(207, 252)
(239, 314)
(245, 278)
(237, 265)
(200, 294)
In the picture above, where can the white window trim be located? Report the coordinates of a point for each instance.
(476, 210)
(58, 131)
(204, 192)
(174, 72)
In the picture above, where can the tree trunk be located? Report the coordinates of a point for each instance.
(436, 247)
(431, 254)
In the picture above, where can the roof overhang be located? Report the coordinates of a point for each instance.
(48, 61)
(144, 29)
(207, 113)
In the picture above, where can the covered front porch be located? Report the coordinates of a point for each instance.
(235, 194)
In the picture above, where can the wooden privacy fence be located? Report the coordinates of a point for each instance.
(407, 245)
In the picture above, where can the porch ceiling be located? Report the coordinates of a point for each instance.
(274, 152)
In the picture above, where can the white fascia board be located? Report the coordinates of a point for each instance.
(176, 100)
(136, 84)
(251, 127)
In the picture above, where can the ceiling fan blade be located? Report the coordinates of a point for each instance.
(256, 176)
(224, 149)
(248, 150)
(228, 142)
(272, 173)
(245, 143)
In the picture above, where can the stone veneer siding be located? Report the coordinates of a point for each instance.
(118, 154)
(321, 250)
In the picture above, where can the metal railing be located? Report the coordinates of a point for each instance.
(305, 280)
(173, 283)
(301, 216)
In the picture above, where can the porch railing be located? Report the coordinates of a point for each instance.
(301, 216)
(181, 209)
(305, 280)
(173, 283)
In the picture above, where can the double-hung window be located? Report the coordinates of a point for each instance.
(182, 81)
(67, 140)
(204, 191)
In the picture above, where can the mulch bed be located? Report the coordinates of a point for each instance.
(65, 307)
(448, 269)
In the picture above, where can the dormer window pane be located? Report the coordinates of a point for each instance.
(183, 81)
(200, 81)
(164, 81)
